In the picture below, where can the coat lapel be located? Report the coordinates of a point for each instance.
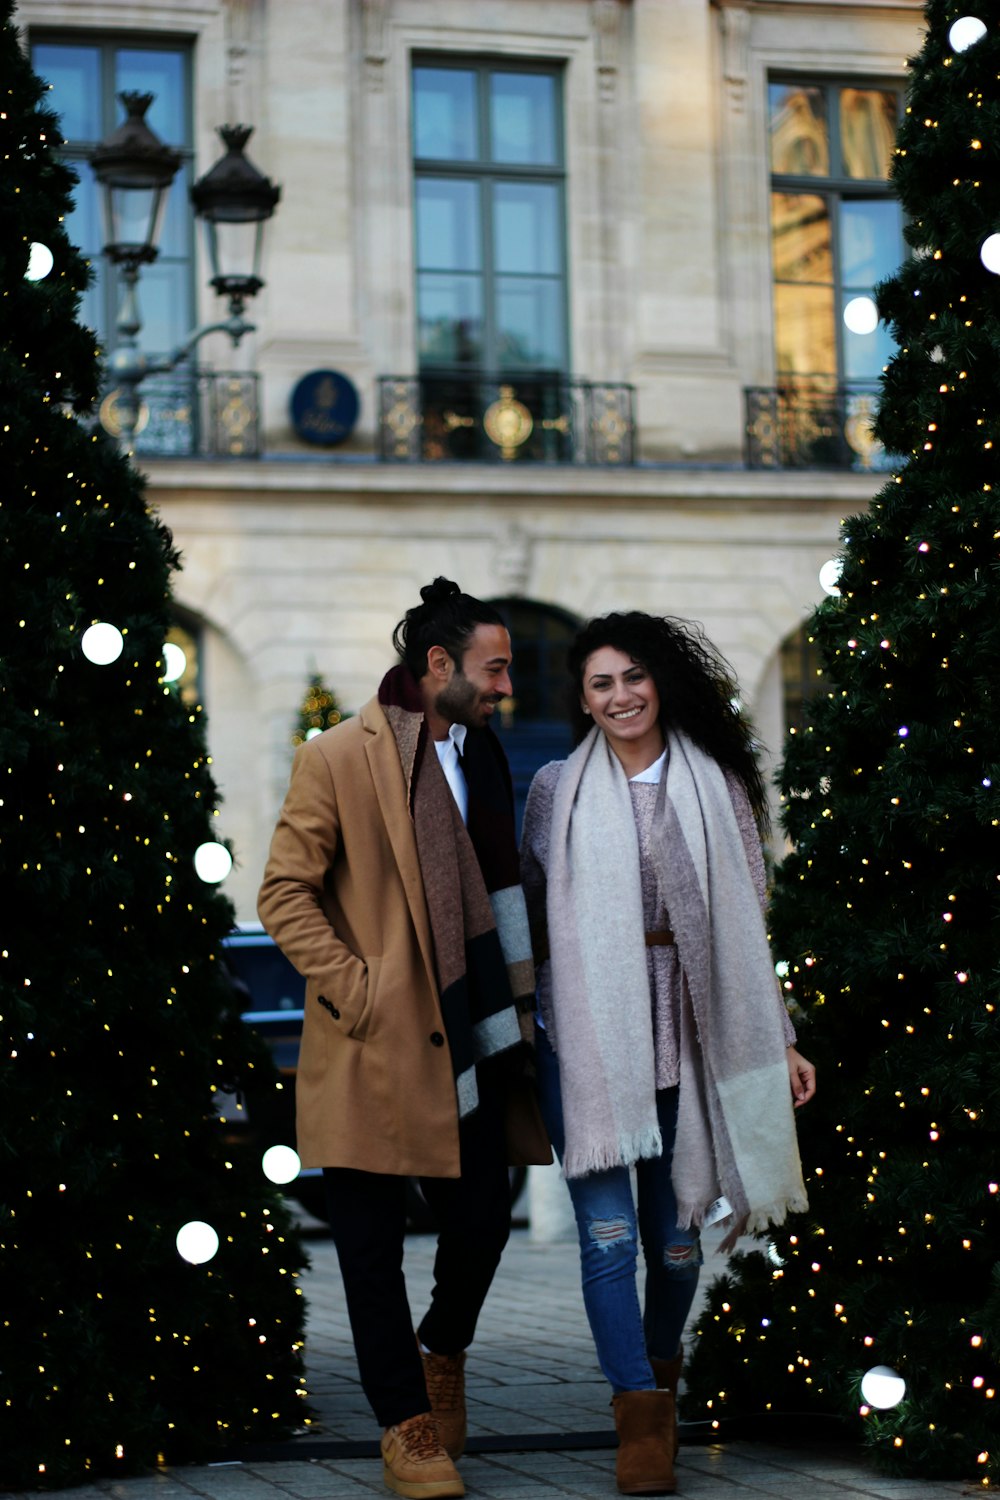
(390, 790)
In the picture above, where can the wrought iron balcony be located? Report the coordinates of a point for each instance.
(504, 419)
(194, 413)
(813, 425)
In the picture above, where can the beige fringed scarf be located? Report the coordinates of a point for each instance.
(735, 1127)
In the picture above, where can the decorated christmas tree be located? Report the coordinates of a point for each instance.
(886, 915)
(118, 1023)
(320, 710)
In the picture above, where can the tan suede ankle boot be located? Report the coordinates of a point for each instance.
(644, 1422)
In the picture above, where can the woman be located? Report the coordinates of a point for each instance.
(663, 1043)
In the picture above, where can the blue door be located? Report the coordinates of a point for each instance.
(533, 725)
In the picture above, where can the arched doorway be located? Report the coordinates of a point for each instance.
(802, 678)
(534, 725)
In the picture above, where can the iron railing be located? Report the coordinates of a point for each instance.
(194, 413)
(436, 418)
(813, 426)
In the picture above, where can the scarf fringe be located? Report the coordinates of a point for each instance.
(763, 1216)
(636, 1146)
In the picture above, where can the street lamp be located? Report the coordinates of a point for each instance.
(135, 170)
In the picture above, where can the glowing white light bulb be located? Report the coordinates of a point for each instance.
(312, 733)
(965, 32)
(829, 576)
(102, 643)
(882, 1387)
(40, 262)
(989, 253)
(196, 1242)
(212, 862)
(174, 662)
(280, 1164)
(861, 315)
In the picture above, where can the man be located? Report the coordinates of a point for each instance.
(392, 885)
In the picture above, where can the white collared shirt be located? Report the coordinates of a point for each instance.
(448, 752)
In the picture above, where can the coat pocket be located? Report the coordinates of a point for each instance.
(360, 1029)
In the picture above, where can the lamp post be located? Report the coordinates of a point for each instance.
(135, 170)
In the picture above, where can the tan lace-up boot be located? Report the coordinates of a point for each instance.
(445, 1376)
(414, 1462)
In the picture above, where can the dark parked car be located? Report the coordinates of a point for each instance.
(273, 1000)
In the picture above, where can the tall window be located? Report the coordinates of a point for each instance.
(489, 218)
(836, 229)
(86, 73)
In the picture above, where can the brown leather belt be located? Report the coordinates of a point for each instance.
(662, 938)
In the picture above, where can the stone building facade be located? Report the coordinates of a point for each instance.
(628, 228)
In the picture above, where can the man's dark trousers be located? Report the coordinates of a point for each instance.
(368, 1222)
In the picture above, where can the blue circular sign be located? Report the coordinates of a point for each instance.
(324, 407)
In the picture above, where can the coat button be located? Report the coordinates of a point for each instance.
(437, 1039)
(328, 1005)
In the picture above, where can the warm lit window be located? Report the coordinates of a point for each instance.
(836, 229)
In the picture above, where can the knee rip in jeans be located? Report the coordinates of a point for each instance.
(607, 1232)
(682, 1257)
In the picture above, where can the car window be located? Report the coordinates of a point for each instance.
(271, 980)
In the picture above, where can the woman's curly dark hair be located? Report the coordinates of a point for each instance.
(696, 686)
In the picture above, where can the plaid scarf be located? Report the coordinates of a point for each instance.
(471, 878)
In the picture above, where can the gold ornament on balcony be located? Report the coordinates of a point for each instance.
(508, 423)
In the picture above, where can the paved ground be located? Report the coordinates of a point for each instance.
(533, 1379)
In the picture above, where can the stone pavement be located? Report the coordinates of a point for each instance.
(539, 1421)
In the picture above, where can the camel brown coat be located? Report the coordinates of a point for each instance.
(343, 898)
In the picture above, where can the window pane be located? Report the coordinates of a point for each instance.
(523, 118)
(526, 227)
(450, 319)
(867, 132)
(871, 242)
(448, 237)
(801, 238)
(161, 74)
(529, 323)
(175, 227)
(164, 303)
(75, 76)
(444, 114)
(803, 330)
(864, 353)
(799, 140)
(84, 222)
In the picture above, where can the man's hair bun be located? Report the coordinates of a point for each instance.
(445, 617)
(438, 591)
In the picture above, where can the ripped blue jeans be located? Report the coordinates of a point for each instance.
(610, 1231)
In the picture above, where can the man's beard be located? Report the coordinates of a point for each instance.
(459, 703)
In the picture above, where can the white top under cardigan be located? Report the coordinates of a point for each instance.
(662, 962)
